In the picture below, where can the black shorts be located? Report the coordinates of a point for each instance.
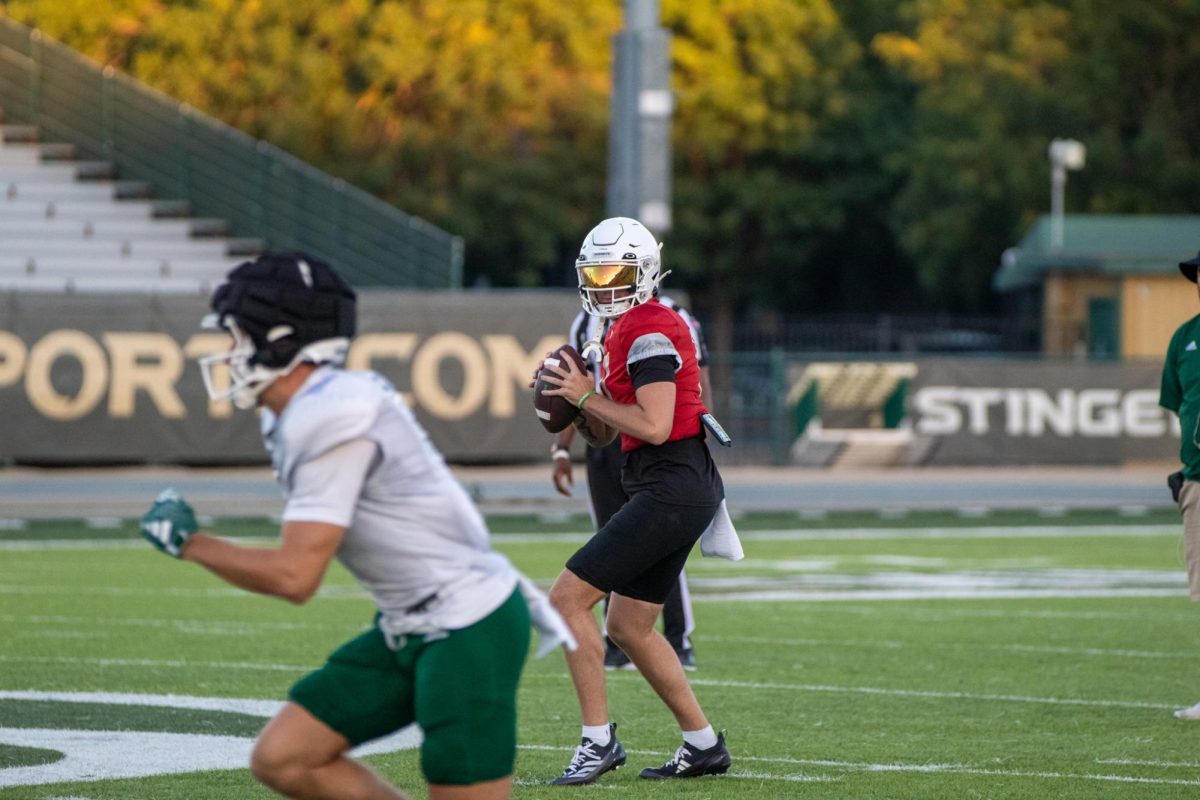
(640, 551)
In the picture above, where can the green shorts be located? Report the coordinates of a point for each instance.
(460, 688)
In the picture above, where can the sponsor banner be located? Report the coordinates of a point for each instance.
(114, 379)
(980, 412)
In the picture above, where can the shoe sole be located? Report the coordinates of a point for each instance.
(717, 770)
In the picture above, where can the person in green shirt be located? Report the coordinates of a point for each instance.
(1180, 393)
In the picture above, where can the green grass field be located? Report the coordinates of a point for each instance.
(928, 656)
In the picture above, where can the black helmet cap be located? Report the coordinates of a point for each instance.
(284, 301)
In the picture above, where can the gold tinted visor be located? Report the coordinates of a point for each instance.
(608, 276)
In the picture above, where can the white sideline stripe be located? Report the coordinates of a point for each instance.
(1007, 698)
(238, 628)
(959, 613)
(1135, 530)
(130, 543)
(792, 687)
(154, 662)
(214, 627)
(327, 592)
(765, 776)
(239, 747)
(699, 593)
(1138, 763)
(28, 545)
(766, 535)
(799, 595)
(237, 705)
(900, 645)
(858, 766)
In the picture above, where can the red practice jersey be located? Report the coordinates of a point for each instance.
(645, 331)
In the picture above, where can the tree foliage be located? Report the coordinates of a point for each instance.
(995, 81)
(866, 155)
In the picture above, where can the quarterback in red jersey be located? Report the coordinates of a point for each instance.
(650, 395)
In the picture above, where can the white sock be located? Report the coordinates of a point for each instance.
(703, 739)
(600, 734)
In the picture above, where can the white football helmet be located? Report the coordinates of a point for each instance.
(618, 267)
(283, 309)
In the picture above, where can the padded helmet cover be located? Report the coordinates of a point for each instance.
(284, 301)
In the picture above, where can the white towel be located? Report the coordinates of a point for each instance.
(720, 539)
(551, 627)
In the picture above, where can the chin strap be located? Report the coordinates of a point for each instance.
(593, 353)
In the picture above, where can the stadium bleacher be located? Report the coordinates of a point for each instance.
(68, 225)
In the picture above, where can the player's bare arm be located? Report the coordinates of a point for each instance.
(560, 455)
(593, 431)
(648, 419)
(293, 571)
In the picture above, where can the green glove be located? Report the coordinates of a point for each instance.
(169, 523)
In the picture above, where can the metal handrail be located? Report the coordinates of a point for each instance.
(261, 190)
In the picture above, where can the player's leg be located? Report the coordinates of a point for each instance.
(297, 755)
(1189, 507)
(635, 608)
(574, 598)
(637, 602)
(703, 751)
(632, 624)
(361, 693)
(619, 552)
(466, 704)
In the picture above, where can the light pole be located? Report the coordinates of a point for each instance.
(1065, 154)
(639, 157)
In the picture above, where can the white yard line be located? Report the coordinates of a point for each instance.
(254, 629)
(791, 687)
(1130, 762)
(871, 690)
(191, 627)
(92, 661)
(237, 705)
(236, 748)
(895, 595)
(780, 534)
(964, 532)
(770, 686)
(938, 615)
(328, 592)
(890, 644)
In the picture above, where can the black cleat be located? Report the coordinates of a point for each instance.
(690, 762)
(592, 760)
(687, 658)
(615, 658)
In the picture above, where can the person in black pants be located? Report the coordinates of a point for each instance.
(606, 494)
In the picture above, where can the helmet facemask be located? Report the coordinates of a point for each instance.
(248, 377)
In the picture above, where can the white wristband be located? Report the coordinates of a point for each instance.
(558, 451)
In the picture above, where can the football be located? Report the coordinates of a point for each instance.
(555, 412)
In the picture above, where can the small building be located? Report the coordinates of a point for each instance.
(1112, 289)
